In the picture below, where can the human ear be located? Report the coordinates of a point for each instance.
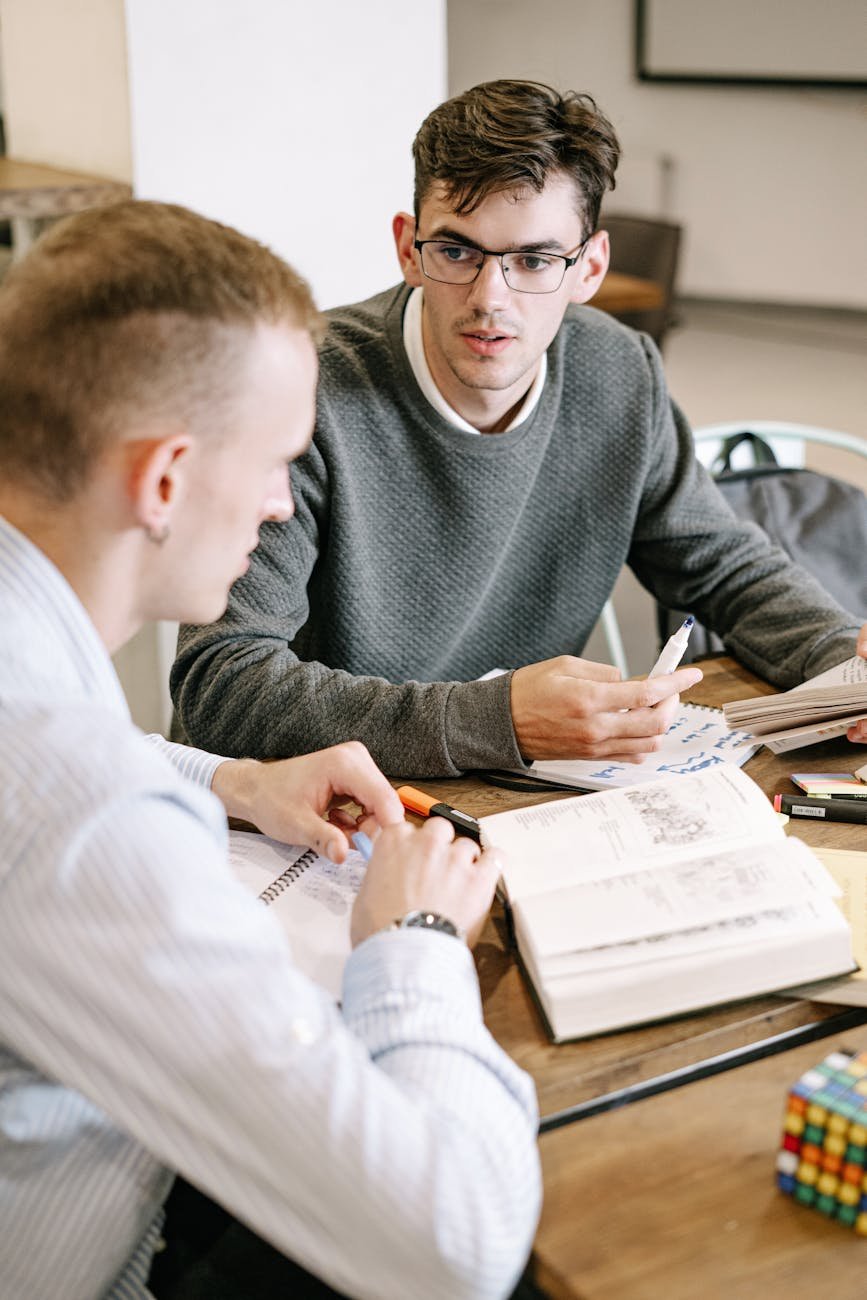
(156, 478)
(403, 228)
(592, 267)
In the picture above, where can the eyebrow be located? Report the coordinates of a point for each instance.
(446, 235)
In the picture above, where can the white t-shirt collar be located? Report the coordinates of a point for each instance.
(414, 344)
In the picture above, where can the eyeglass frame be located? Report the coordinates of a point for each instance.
(567, 260)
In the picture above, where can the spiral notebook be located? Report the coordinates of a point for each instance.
(311, 897)
(698, 739)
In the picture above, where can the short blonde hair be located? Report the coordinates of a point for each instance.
(133, 311)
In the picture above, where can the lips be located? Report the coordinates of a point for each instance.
(487, 345)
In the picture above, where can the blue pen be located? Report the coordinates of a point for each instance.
(363, 843)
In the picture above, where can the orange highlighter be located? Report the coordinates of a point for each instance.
(426, 806)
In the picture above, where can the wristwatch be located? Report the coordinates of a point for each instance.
(428, 921)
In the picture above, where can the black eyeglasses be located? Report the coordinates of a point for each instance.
(524, 271)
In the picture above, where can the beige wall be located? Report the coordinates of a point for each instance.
(65, 84)
(770, 183)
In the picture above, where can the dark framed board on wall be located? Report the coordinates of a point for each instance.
(753, 42)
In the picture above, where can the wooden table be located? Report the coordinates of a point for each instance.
(620, 292)
(30, 192)
(573, 1079)
(674, 1198)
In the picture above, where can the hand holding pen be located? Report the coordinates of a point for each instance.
(573, 708)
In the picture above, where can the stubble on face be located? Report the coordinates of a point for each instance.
(488, 338)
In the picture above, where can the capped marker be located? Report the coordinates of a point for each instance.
(829, 810)
(427, 806)
(363, 843)
(673, 650)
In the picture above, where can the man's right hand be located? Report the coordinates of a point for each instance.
(427, 870)
(573, 708)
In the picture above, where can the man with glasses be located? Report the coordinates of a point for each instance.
(489, 452)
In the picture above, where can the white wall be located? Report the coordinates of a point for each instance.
(65, 84)
(770, 183)
(291, 120)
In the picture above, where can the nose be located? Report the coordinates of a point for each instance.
(279, 505)
(489, 290)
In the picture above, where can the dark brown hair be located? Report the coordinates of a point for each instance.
(507, 135)
(135, 312)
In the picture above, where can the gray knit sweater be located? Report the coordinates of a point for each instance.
(420, 556)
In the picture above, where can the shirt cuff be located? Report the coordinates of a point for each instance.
(194, 764)
(833, 649)
(478, 725)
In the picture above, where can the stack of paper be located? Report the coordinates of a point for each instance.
(819, 709)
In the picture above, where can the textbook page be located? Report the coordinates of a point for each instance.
(599, 836)
(655, 901)
(849, 869)
(697, 739)
(780, 742)
(739, 932)
(311, 897)
(851, 672)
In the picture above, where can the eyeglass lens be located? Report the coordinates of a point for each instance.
(525, 271)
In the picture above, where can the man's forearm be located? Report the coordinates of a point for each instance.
(779, 621)
(265, 703)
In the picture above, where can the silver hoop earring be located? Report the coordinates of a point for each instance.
(158, 536)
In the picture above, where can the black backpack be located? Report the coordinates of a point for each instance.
(819, 521)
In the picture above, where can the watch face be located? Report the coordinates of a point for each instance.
(429, 921)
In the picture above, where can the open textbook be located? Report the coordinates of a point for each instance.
(697, 739)
(311, 897)
(635, 904)
(818, 709)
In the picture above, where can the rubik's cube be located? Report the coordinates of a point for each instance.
(822, 1160)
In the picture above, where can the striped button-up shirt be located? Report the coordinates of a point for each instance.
(151, 1020)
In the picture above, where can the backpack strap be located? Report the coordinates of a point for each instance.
(763, 453)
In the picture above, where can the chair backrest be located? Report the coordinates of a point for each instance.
(780, 435)
(650, 248)
(820, 521)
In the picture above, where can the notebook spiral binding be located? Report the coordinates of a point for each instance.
(288, 877)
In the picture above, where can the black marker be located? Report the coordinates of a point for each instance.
(829, 810)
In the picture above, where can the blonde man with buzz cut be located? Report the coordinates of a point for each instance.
(157, 376)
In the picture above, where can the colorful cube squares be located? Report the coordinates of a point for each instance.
(823, 1152)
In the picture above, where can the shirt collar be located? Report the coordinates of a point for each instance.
(414, 344)
(48, 644)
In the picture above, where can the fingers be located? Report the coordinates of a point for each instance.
(858, 733)
(425, 870)
(652, 691)
(861, 647)
(352, 772)
(586, 669)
